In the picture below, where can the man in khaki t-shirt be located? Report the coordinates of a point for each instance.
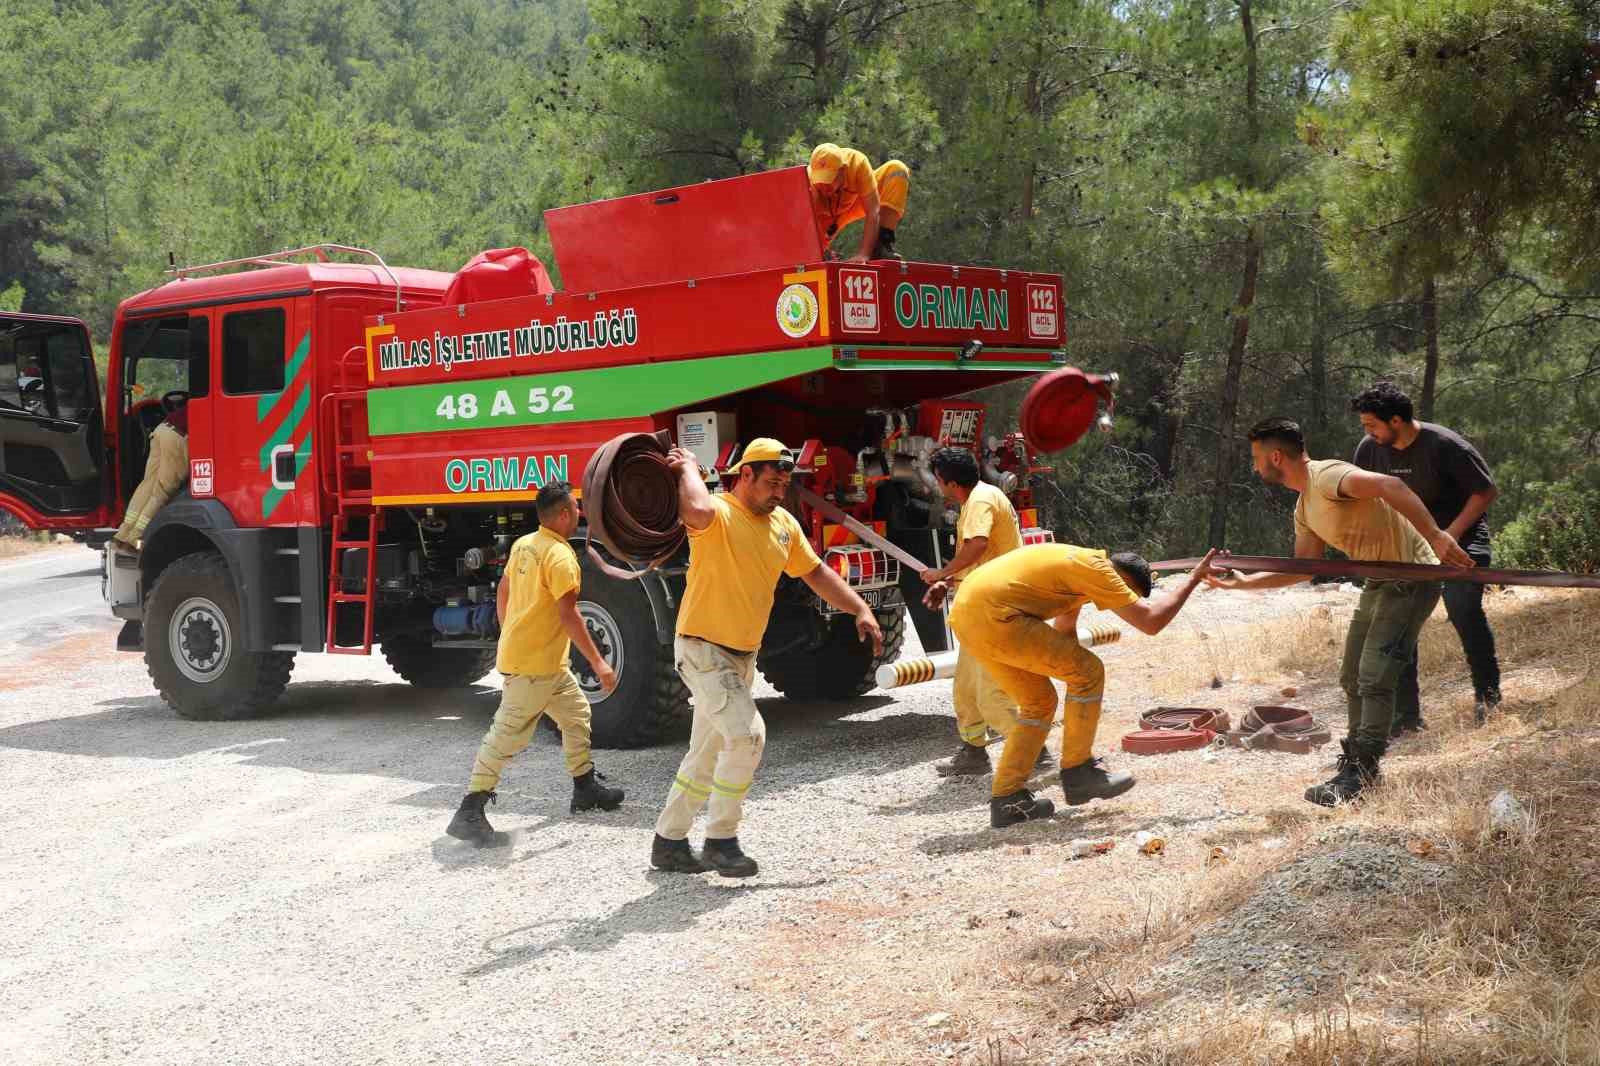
(986, 530)
(1372, 518)
(740, 543)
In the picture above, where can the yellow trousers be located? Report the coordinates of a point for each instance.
(726, 739)
(981, 704)
(524, 701)
(1022, 654)
(894, 188)
(164, 474)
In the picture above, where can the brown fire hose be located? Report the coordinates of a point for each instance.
(630, 497)
(1483, 575)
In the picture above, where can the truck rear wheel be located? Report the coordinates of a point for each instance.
(843, 667)
(650, 701)
(425, 666)
(194, 645)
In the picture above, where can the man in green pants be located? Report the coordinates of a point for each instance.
(1370, 517)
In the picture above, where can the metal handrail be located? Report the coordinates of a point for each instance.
(274, 258)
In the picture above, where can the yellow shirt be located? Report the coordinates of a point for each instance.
(542, 569)
(1044, 580)
(734, 565)
(1366, 530)
(988, 513)
(858, 180)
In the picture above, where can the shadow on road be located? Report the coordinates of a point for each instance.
(676, 903)
(397, 731)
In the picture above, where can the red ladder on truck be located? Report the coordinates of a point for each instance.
(352, 492)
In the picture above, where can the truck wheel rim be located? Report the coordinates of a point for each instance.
(200, 640)
(607, 637)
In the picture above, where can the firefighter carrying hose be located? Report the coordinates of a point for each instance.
(740, 543)
(1002, 616)
(845, 187)
(986, 529)
(165, 471)
(537, 603)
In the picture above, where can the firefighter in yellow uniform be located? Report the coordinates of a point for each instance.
(845, 187)
(537, 603)
(740, 543)
(986, 529)
(165, 471)
(1003, 617)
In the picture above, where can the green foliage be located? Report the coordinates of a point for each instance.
(1472, 133)
(1560, 530)
(11, 297)
(1122, 143)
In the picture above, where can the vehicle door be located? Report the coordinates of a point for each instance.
(52, 446)
(263, 414)
(164, 359)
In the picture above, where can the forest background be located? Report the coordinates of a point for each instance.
(1260, 206)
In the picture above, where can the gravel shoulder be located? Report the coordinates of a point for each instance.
(280, 890)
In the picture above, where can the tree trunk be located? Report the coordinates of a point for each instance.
(1430, 330)
(1033, 103)
(1228, 409)
(1319, 373)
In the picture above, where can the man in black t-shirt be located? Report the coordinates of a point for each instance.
(1449, 475)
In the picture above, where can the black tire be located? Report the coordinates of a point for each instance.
(650, 702)
(193, 645)
(843, 667)
(419, 662)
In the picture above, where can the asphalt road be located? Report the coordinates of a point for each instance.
(48, 595)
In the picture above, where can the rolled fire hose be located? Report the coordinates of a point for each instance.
(630, 498)
(1382, 571)
(1212, 718)
(943, 665)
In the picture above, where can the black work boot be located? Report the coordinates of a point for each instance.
(1020, 806)
(1357, 770)
(724, 856)
(971, 760)
(675, 856)
(884, 247)
(588, 793)
(1091, 780)
(1484, 702)
(1044, 761)
(470, 822)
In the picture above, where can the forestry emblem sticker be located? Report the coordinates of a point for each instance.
(797, 310)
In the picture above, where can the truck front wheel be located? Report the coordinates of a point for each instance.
(650, 700)
(194, 645)
(843, 667)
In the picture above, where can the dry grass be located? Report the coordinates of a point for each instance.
(1499, 962)
(12, 547)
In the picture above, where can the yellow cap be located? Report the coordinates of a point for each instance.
(826, 159)
(765, 450)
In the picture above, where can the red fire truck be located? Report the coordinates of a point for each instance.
(365, 441)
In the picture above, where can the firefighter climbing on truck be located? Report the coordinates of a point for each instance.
(845, 187)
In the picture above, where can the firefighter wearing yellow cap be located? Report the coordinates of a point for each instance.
(845, 187)
(1003, 616)
(740, 542)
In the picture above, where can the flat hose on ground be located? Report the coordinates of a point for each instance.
(630, 498)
